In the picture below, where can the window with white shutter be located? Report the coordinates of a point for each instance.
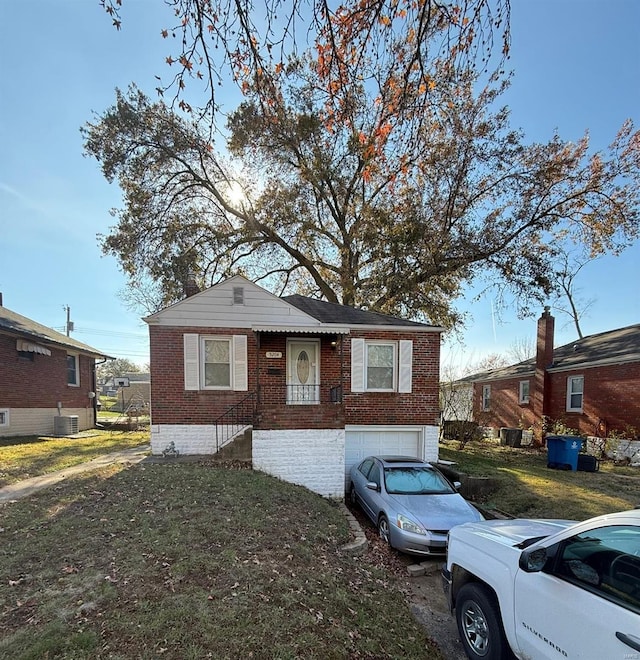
(381, 366)
(406, 366)
(212, 362)
(191, 362)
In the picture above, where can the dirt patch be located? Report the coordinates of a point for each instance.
(423, 593)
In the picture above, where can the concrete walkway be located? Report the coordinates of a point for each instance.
(25, 488)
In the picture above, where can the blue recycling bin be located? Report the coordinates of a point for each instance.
(562, 452)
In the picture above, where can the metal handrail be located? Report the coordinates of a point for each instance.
(236, 417)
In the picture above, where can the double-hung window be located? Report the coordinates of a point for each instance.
(381, 366)
(216, 363)
(73, 372)
(486, 397)
(4, 417)
(523, 394)
(575, 393)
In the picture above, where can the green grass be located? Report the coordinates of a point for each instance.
(527, 488)
(192, 560)
(30, 456)
(195, 560)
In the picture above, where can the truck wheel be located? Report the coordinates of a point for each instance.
(480, 625)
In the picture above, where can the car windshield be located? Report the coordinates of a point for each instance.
(415, 480)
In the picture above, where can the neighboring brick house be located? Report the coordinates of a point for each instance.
(321, 385)
(590, 385)
(47, 380)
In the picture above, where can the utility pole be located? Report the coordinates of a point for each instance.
(69, 326)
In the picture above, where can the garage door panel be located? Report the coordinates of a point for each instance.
(363, 442)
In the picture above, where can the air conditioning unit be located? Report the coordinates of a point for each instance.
(65, 425)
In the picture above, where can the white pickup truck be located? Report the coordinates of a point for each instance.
(547, 588)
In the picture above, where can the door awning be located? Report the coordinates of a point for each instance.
(303, 329)
(29, 347)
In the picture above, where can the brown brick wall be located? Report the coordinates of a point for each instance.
(610, 403)
(421, 406)
(41, 383)
(171, 404)
(504, 409)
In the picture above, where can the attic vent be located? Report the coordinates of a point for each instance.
(238, 295)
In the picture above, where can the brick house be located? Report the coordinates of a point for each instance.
(47, 380)
(320, 385)
(590, 385)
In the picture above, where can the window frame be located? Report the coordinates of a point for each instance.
(486, 398)
(599, 537)
(203, 363)
(394, 367)
(76, 370)
(361, 467)
(571, 393)
(523, 398)
(5, 418)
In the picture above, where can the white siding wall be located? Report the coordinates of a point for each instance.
(39, 421)
(215, 308)
(310, 458)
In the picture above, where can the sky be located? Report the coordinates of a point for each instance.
(576, 67)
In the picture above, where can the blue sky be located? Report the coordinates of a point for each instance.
(577, 67)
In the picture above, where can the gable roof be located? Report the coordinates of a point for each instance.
(611, 347)
(327, 312)
(225, 306)
(23, 328)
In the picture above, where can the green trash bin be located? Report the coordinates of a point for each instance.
(563, 451)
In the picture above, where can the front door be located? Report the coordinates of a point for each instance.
(303, 372)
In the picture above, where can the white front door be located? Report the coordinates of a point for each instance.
(303, 372)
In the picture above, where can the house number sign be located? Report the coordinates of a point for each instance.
(274, 354)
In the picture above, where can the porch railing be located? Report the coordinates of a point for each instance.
(314, 394)
(303, 393)
(233, 420)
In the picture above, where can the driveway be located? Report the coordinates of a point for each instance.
(424, 593)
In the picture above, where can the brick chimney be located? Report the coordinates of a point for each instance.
(544, 359)
(190, 286)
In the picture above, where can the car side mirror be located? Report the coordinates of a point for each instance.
(372, 485)
(533, 561)
(457, 485)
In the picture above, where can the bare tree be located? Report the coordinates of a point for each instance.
(521, 349)
(568, 300)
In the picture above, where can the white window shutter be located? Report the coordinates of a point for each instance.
(191, 362)
(240, 375)
(405, 361)
(357, 365)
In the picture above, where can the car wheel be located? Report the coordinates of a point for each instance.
(480, 624)
(383, 530)
(352, 496)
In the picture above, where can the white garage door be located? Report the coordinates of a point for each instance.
(360, 443)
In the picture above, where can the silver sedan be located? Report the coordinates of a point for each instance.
(412, 504)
